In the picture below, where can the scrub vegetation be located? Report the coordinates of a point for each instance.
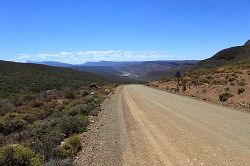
(42, 111)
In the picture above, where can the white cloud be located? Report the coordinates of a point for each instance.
(23, 56)
(79, 57)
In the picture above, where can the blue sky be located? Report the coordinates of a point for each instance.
(75, 31)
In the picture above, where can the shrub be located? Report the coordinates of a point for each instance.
(231, 79)
(225, 96)
(194, 81)
(241, 90)
(88, 107)
(70, 94)
(84, 93)
(217, 82)
(203, 80)
(33, 114)
(70, 147)
(72, 125)
(11, 123)
(6, 106)
(61, 113)
(17, 100)
(184, 88)
(28, 97)
(47, 143)
(43, 137)
(75, 110)
(15, 154)
(37, 102)
(241, 83)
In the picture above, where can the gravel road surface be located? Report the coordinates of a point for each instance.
(141, 126)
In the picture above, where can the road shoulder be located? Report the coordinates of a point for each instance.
(102, 142)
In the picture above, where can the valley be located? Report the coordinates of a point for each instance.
(137, 70)
(124, 83)
(134, 114)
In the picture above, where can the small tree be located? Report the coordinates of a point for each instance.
(178, 75)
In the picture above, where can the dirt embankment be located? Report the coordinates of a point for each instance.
(221, 86)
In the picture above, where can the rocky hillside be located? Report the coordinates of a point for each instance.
(224, 78)
(229, 56)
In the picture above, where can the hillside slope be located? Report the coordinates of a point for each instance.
(224, 78)
(104, 70)
(22, 78)
(229, 56)
(43, 109)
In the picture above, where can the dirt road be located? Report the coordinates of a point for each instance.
(149, 127)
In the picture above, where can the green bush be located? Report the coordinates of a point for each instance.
(34, 114)
(70, 94)
(6, 106)
(15, 154)
(84, 93)
(88, 107)
(225, 96)
(70, 147)
(217, 82)
(73, 124)
(90, 104)
(11, 123)
(46, 143)
(17, 99)
(28, 97)
(61, 113)
(241, 90)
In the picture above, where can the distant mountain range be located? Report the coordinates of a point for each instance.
(51, 63)
(225, 57)
(155, 70)
(129, 69)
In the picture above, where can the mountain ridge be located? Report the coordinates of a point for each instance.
(130, 69)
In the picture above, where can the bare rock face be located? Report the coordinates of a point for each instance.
(247, 43)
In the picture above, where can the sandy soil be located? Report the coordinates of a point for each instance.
(145, 126)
